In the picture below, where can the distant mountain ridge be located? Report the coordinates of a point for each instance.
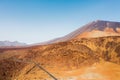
(9, 43)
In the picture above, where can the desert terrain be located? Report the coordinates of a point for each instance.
(89, 53)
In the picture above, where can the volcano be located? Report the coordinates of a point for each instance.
(98, 28)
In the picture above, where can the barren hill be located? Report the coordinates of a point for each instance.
(65, 57)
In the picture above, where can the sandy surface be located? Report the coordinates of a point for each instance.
(98, 71)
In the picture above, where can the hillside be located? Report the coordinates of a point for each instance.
(72, 58)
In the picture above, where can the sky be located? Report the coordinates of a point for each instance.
(34, 21)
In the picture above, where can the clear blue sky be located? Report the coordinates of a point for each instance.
(33, 21)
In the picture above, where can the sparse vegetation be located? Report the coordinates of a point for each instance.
(63, 56)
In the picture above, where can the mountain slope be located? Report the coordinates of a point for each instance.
(98, 28)
(99, 25)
